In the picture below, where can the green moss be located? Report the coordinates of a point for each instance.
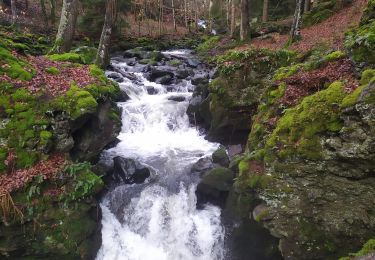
(3, 156)
(351, 99)
(88, 54)
(285, 72)
(98, 73)
(76, 102)
(208, 44)
(336, 55)
(13, 67)
(297, 132)
(52, 70)
(174, 63)
(324, 10)
(367, 249)
(367, 76)
(243, 167)
(72, 57)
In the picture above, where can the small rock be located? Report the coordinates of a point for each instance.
(177, 98)
(220, 157)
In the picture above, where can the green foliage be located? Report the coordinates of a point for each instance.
(297, 131)
(361, 43)
(88, 54)
(208, 44)
(324, 10)
(71, 57)
(336, 55)
(13, 67)
(52, 70)
(86, 183)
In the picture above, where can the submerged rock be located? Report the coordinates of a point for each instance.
(129, 171)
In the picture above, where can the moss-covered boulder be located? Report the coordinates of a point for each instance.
(215, 186)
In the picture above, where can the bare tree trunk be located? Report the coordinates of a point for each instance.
(53, 11)
(265, 11)
(67, 25)
(295, 33)
(44, 12)
(232, 18)
(14, 11)
(185, 13)
(160, 15)
(210, 6)
(228, 13)
(306, 6)
(102, 56)
(196, 15)
(174, 16)
(244, 30)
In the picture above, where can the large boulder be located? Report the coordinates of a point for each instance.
(220, 157)
(129, 171)
(215, 186)
(202, 165)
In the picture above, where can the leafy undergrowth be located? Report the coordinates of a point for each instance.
(330, 31)
(19, 178)
(305, 83)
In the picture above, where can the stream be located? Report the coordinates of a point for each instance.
(158, 219)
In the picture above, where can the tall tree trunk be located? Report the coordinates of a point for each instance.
(160, 16)
(232, 18)
(102, 56)
(53, 11)
(44, 12)
(14, 11)
(210, 20)
(174, 17)
(185, 13)
(67, 26)
(265, 11)
(245, 28)
(306, 6)
(196, 15)
(295, 33)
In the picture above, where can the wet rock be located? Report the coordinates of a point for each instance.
(200, 80)
(193, 63)
(234, 150)
(183, 73)
(151, 90)
(93, 132)
(220, 157)
(129, 171)
(177, 98)
(202, 165)
(215, 186)
(156, 73)
(164, 80)
(116, 77)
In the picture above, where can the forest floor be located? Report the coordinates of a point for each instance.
(330, 32)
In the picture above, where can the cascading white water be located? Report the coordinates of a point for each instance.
(159, 219)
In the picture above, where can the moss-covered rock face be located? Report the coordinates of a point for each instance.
(338, 157)
(234, 95)
(59, 219)
(14, 67)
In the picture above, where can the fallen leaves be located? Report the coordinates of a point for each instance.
(305, 83)
(19, 178)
